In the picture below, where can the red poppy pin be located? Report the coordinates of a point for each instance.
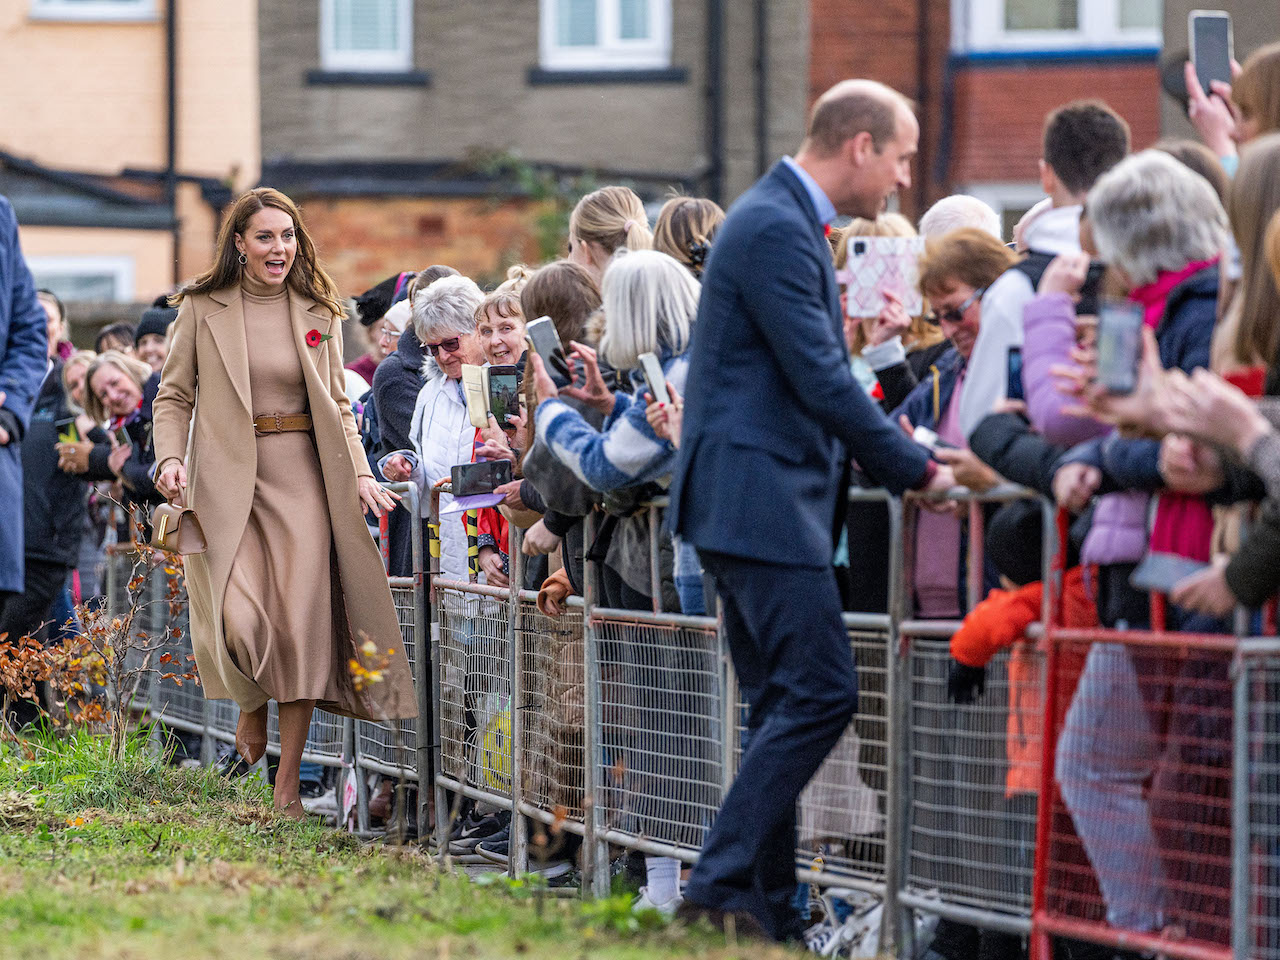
(315, 338)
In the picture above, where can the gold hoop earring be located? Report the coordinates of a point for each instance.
(243, 259)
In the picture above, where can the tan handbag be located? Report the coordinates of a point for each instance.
(175, 529)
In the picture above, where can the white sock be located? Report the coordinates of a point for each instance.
(662, 877)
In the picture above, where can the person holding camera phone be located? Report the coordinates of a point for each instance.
(772, 415)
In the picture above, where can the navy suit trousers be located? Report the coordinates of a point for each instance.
(796, 672)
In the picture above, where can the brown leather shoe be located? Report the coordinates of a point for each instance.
(738, 923)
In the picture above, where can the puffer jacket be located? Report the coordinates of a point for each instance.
(1049, 334)
(442, 436)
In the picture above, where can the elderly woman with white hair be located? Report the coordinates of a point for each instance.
(442, 435)
(1161, 230)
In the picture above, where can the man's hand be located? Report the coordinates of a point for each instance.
(171, 481)
(491, 565)
(74, 457)
(1075, 484)
(968, 469)
(538, 540)
(1206, 591)
(397, 469)
(4, 434)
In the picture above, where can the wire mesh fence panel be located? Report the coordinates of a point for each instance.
(146, 599)
(661, 690)
(551, 750)
(223, 715)
(975, 774)
(175, 698)
(392, 744)
(1140, 835)
(475, 689)
(324, 736)
(842, 810)
(1262, 682)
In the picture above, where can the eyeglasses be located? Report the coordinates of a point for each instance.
(956, 314)
(450, 345)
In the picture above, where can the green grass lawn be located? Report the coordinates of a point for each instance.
(149, 862)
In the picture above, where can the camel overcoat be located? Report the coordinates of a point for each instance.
(203, 416)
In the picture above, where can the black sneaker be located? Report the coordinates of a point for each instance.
(310, 789)
(497, 849)
(467, 835)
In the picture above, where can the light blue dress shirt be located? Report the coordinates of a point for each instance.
(822, 204)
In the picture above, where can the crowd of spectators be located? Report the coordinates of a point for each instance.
(1190, 235)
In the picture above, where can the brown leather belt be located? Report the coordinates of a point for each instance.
(281, 423)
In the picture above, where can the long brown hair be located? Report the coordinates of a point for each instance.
(1253, 199)
(306, 276)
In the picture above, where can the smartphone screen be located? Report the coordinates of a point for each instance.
(654, 377)
(1014, 379)
(122, 437)
(1210, 34)
(544, 339)
(504, 394)
(1119, 344)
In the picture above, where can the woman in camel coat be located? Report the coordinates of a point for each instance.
(252, 426)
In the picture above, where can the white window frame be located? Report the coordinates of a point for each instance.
(366, 61)
(121, 269)
(1099, 28)
(610, 52)
(89, 10)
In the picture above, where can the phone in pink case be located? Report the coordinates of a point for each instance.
(876, 265)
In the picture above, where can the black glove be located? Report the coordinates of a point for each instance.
(965, 684)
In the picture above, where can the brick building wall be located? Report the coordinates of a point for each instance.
(1000, 110)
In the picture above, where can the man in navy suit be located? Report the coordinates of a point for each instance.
(772, 417)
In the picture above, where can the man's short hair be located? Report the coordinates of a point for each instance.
(850, 108)
(1082, 141)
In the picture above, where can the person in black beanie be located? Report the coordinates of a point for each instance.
(151, 338)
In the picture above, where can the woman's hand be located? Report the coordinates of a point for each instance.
(1075, 484)
(171, 481)
(119, 455)
(1139, 411)
(1207, 590)
(1208, 408)
(74, 457)
(1189, 467)
(593, 391)
(538, 540)
(491, 567)
(1214, 115)
(1066, 273)
(892, 321)
(495, 449)
(511, 495)
(375, 498)
(666, 419)
(397, 469)
(544, 387)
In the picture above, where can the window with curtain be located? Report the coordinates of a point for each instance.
(605, 34)
(370, 35)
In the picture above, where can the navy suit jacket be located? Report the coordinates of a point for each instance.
(772, 412)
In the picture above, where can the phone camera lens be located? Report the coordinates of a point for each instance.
(859, 247)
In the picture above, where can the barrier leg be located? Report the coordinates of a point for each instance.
(1241, 887)
(595, 851)
(897, 932)
(518, 848)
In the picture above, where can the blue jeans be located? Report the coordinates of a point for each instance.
(688, 577)
(309, 772)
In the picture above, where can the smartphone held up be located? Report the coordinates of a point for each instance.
(1119, 345)
(1210, 40)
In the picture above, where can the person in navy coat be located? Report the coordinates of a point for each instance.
(24, 361)
(772, 417)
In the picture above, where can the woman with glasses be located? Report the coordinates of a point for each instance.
(956, 270)
(444, 318)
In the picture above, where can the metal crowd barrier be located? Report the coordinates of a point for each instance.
(624, 727)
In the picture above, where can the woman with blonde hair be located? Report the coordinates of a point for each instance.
(685, 228)
(604, 221)
(291, 588)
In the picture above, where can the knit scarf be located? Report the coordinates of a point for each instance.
(1183, 522)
